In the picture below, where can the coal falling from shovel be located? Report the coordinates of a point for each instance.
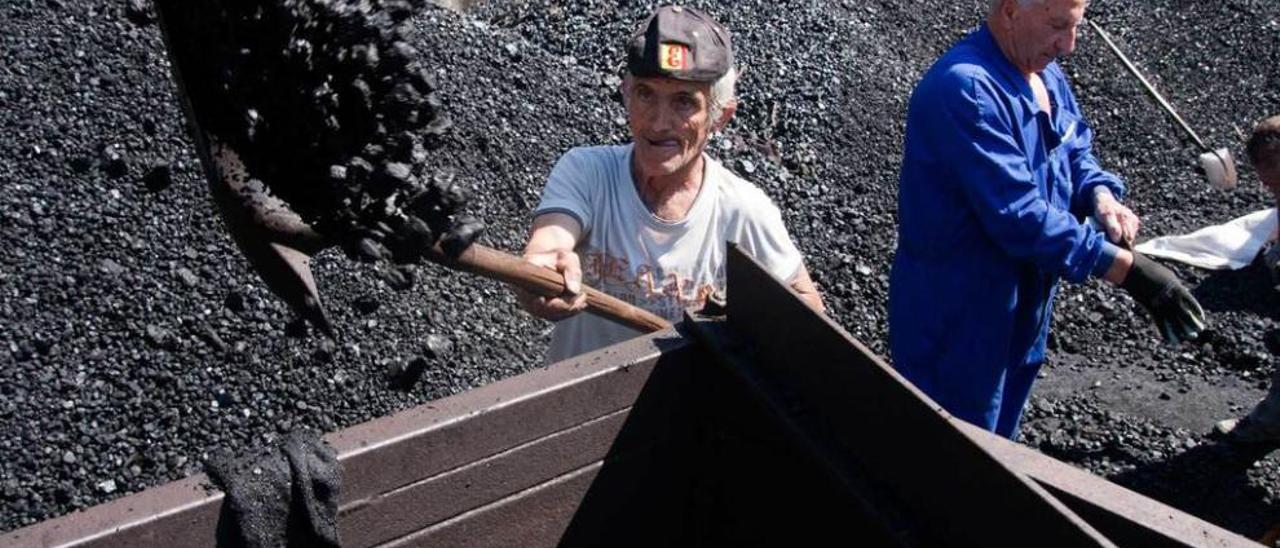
(312, 118)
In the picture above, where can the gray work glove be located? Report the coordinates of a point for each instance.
(1177, 315)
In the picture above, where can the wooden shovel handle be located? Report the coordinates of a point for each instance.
(1151, 89)
(507, 268)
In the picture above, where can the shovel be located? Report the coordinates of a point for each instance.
(1218, 165)
(279, 244)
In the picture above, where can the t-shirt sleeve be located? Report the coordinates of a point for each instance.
(569, 188)
(765, 238)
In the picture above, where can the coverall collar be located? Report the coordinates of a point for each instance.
(986, 41)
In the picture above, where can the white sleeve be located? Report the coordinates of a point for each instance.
(765, 237)
(569, 188)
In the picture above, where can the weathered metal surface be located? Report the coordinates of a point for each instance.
(854, 406)
(394, 454)
(805, 439)
(619, 476)
(1126, 517)
(537, 517)
(271, 236)
(648, 417)
(475, 485)
(759, 484)
(182, 513)
(394, 451)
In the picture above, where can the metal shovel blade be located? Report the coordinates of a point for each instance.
(1220, 168)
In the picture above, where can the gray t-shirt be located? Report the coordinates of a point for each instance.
(663, 267)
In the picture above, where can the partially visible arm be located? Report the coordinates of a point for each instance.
(552, 240)
(1087, 176)
(808, 291)
(561, 219)
(553, 233)
(1097, 192)
(1119, 267)
(1178, 317)
(1120, 223)
(765, 237)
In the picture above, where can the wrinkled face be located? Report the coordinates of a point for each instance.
(670, 123)
(1041, 32)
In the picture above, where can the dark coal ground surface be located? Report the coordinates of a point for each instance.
(135, 342)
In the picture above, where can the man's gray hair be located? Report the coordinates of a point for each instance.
(723, 93)
(995, 4)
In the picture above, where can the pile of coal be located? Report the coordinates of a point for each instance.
(330, 107)
(136, 341)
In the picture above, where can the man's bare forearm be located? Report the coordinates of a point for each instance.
(808, 291)
(553, 232)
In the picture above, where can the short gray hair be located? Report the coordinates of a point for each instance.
(995, 4)
(723, 93)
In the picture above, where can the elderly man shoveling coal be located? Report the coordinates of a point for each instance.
(997, 175)
(649, 221)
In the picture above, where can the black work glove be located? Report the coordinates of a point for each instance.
(1271, 259)
(1177, 314)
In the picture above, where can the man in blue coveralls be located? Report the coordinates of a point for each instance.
(997, 175)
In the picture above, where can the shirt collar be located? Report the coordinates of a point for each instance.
(1012, 76)
(711, 175)
(986, 42)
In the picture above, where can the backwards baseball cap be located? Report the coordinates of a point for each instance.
(681, 43)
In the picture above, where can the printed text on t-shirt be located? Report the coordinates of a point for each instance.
(667, 294)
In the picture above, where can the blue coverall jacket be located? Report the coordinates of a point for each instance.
(990, 203)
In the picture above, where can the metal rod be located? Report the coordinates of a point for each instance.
(1151, 90)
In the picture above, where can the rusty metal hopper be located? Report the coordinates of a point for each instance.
(769, 427)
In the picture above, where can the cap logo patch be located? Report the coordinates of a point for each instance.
(673, 56)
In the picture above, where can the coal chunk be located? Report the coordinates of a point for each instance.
(110, 267)
(81, 164)
(158, 178)
(405, 374)
(397, 175)
(398, 278)
(188, 277)
(466, 230)
(366, 304)
(328, 91)
(139, 12)
(370, 250)
(438, 346)
(213, 339)
(234, 302)
(113, 162)
(158, 337)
